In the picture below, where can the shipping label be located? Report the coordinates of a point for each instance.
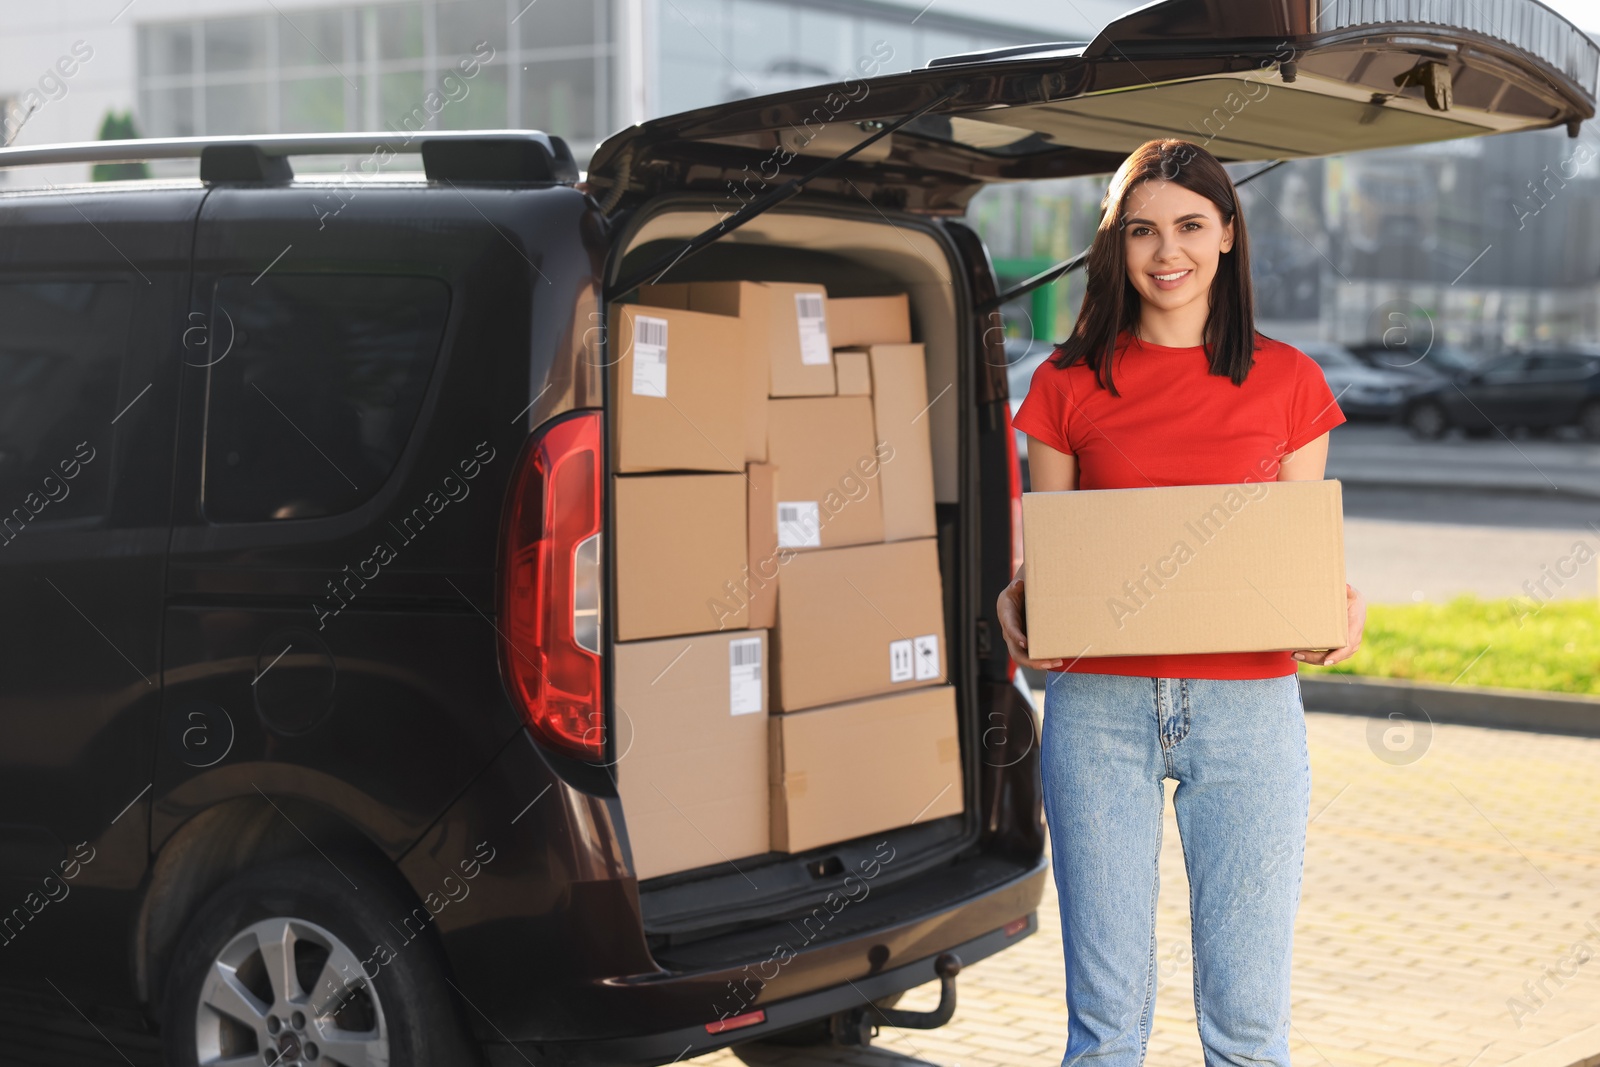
(799, 524)
(813, 329)
(744, 676)
(927, 654)
(649, 356)
(901, 667)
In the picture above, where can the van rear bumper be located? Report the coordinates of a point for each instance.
(544, 940)
(689, 1041)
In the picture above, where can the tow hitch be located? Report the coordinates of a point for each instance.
(858, 1026)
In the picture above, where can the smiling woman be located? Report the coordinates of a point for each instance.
(1208, 401)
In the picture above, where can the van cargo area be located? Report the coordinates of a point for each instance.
(853, 252)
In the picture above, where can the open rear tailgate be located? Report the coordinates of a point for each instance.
(1250, 79)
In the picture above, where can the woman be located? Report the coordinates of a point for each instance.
(1164, 381)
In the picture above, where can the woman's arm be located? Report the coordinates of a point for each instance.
(1049, 471)
(1308, 464)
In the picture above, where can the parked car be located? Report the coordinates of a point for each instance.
(308, 725)
(1428, 362)
(1363, 392)
(1534, 391)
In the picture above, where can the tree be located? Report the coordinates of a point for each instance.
(117, 127)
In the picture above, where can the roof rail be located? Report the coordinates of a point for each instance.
(447, 155)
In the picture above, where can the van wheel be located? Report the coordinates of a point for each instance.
(1427, 420)
(273, 970)
(1589, 420)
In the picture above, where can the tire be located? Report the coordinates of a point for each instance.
(1589, 420)
(333, 934)
(1427, 420)
(1478, 432)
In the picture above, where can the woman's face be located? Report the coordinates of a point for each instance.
(1172, 230)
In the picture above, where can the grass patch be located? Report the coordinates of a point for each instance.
(1514, 643)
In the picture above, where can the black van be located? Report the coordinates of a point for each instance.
(305, 742)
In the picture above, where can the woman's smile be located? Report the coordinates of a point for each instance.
(1173, 279)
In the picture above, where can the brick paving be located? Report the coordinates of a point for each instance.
(1439, 893)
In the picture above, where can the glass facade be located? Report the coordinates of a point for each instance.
(553, 66)
(712, 51)
(418, 64)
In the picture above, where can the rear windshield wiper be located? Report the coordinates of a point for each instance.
(1067, 266)
(764, 202)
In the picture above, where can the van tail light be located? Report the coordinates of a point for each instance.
(1014, 473)
(550, 586)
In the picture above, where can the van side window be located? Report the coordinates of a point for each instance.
(61, 350)
(311, 406)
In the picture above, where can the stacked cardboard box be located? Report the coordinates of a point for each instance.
(847, 770)
(690, 669)
(826, 544)
(691, 728)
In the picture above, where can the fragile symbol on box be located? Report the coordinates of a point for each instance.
(744, 676)
(927, 648)
(813, 328)
(901, 667)
(799, 524)
(649, 356)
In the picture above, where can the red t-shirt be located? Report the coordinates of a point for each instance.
(1176, 423)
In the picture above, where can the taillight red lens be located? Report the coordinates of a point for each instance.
(1014, 471)
(550, 598)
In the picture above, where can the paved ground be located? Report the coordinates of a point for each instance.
(1397, 561)
(1369, 452)
(1438, 893)
(1429, 542)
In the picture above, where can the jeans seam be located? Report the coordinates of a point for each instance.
(1194, 948)
(1150, 971)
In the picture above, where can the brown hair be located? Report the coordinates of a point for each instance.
(1111, 304)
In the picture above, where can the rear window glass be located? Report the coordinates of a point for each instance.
(316, 391)
(61, 351)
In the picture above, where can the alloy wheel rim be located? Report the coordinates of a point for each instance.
(284, 992)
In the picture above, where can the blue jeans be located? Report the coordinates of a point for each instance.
(1238, 750)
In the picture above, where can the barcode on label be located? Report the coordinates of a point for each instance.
(649, 356)
(744, 676)
(799, 524)
(651, 332)
(813, 329)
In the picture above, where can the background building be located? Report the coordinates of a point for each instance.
(1489, 242)
(579, 68)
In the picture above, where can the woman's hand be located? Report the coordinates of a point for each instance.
(1357, 619)
(1012, 627)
